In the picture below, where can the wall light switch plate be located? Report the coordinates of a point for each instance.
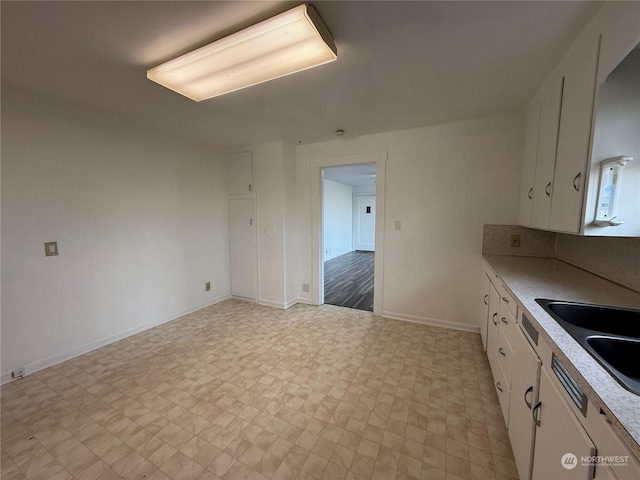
(398, 225)
(51, 249)
(207, 286)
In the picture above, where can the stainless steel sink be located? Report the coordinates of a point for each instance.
(611, 335)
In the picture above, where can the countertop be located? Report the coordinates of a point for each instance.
(528, 278)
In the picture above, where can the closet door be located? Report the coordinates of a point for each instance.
(241, 247)
(240, 173)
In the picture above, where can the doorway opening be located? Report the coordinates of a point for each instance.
(349, 225)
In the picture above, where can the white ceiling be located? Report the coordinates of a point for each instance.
(400, 64)
(352, 174)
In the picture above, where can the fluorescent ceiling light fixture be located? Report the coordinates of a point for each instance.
(290, 42)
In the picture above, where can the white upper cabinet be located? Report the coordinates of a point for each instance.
(587, 115)
(527, 190)
(240, 173)
(550, 104)
(574, 136)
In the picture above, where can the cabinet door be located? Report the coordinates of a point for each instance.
(574, 138)
(484, 309)
(525, 379)
(560, 439)
(551, 102)
(532, 127)
(241, 247)
(492, 329)
(502, 389)
(240, 173)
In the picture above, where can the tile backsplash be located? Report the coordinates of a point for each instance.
(614, 258)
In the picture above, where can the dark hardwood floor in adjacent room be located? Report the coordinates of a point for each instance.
(348, 281)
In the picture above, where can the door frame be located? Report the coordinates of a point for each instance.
(317, 227)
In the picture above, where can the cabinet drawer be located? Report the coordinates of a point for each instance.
(507, 300)
(504, 352)
(507, 323)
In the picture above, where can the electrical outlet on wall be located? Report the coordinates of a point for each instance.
(515, 241)
(18, 373)
(207, 286)
(305, 287)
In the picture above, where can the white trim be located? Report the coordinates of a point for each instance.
(305, 301)
(290, 303)
(52, 360)
(317, 271)
(280, 305)
(244, 299)
(434, 322)
(271, 303)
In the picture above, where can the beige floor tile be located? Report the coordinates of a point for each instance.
(240, 391)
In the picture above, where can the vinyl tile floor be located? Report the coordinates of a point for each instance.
(241, 391)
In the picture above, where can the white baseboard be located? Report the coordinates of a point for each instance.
(244, 299)
(306, 301)
(52, 360)
(432, 322)
(281, 305)
(271, 303)
(290, 303)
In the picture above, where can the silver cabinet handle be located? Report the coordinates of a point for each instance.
(485, 300)
(501, 352)
(250, 187)
(495, 322)
(527, 391)
(530, 194)
(504, 320)
(575, 179)
(533, 413)
(499, 386)
(505, 299)
(547, 189)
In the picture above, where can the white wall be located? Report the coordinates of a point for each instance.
(140, 220)
(443, 183)
(337, 219)
(364, 189)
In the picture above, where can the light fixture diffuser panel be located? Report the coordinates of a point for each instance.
(287, 43)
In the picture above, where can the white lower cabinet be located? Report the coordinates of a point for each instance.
(492, 328)
(525, 381)
(555, 431)
(503, 390)
(561, 441)
(484, 309)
